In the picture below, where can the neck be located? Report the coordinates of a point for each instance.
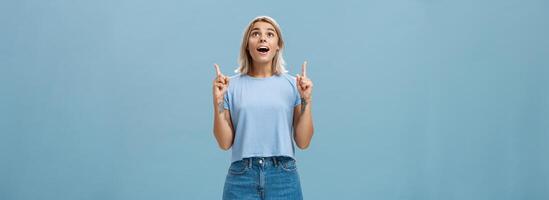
(261, 70)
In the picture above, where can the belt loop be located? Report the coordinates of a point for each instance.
(249, 162)
(275, 161)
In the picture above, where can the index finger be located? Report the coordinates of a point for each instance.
(304, 69)
(217, 71)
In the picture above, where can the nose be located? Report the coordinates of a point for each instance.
(263, 38)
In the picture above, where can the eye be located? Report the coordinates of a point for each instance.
(270, 34)
(255, 34)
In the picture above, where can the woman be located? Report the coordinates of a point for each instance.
(260, 114)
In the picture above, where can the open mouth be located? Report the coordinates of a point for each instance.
(263, 49)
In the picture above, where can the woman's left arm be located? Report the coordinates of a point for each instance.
(303, 118)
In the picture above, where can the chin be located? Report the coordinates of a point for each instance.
(260, 59)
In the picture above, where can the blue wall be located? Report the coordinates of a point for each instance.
(419, 99)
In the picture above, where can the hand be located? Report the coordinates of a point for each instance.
(220, 85)
(304, 84)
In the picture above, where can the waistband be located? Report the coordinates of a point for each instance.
(274, 160)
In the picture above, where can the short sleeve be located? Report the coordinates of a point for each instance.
(297, 97)
(297, 101)
(226, 101)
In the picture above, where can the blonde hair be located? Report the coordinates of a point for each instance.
(245, 59)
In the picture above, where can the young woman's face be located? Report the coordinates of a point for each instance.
(263, 42)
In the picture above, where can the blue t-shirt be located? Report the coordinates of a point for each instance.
(262, 111)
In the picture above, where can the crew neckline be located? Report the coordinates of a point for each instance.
(260, 78)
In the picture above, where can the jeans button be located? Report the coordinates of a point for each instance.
(260, 161)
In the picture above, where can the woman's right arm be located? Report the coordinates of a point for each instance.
(223, 127)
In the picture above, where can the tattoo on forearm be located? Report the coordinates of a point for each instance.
(303, 104)
(220, 108)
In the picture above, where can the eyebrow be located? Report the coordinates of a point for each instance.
(269, 29)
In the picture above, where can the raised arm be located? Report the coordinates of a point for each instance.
(223, 127)
(303, 118)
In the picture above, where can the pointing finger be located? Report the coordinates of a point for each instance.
(304, 69)
(217, 71)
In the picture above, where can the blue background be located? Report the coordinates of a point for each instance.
(415, 99)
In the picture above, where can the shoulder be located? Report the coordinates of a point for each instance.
(234, 81)
(289, 78)
(235, 77)
(287, 75)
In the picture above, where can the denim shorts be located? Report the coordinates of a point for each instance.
(266, 178)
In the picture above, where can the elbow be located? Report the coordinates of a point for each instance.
(224, 143)
(225, 147)
(302, 141)
(303, 146)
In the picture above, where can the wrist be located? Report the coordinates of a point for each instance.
(218, 105)
(217, 100)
